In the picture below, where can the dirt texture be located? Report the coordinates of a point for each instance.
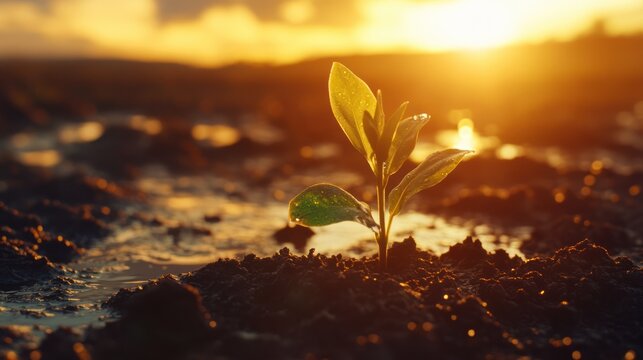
(467, 303)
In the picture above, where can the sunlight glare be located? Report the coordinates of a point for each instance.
(466, 24)
(422, 151)
(134, 30)
(466, 139)
(509, 151)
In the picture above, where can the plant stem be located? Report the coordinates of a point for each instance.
(382, 240)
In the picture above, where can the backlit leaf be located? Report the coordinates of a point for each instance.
(404, 141)
(350, 97)
(325, 204)
(372, 135)
(389, 130)
(429, 173)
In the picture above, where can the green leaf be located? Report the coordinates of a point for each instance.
(350, 97)
(404, 140)
(370, 130)
(389, 130)
(429, 173)
(325, 204)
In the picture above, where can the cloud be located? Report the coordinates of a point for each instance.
(131, 29)
(27, 44)
(324, 12)
(43, 4)
(208, 32)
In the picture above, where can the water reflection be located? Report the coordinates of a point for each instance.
(430, 233)
(42, 158)
(85, 132)
(248, 224)
(148, 125)
(465, 137)
(182, 202)
(216, 135)
(509, 151)
(260, 131)
(466, 140)
(319, 151)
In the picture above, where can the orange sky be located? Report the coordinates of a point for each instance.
(207, 32)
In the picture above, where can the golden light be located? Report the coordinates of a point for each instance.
(297, 11)
(182, 202)
(509, 151)
(466, 139)
(133, 29)
(85, 132)
(422, 150)
(465, 24)
(216, 135)
(148, 125)
(42, 158)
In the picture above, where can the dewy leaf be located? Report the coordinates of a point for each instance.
(389, 130)
(325, 204)
(404, 140)
(429, 173)
(350, 97)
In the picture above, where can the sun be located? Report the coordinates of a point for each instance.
(464, 24)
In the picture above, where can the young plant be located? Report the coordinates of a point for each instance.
(386, 143)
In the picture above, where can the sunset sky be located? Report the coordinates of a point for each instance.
(215, 32)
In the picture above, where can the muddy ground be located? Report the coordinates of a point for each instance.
(570, 287)
(573, 296)
(466, 303)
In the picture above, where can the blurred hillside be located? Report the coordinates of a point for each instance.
(553, 93)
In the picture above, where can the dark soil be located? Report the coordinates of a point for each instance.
(46, 220)
(20, 265)
(465, 304)
(523, 192)
(24, 184)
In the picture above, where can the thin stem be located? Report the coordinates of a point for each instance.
(382, 240)
(388, 224)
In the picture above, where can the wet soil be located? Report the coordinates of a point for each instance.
(560, 207)
(570, 295)
(575, 291)
(467, 303)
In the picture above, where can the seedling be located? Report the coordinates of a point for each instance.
(386, 143)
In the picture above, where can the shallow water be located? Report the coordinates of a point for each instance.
(140, 251)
